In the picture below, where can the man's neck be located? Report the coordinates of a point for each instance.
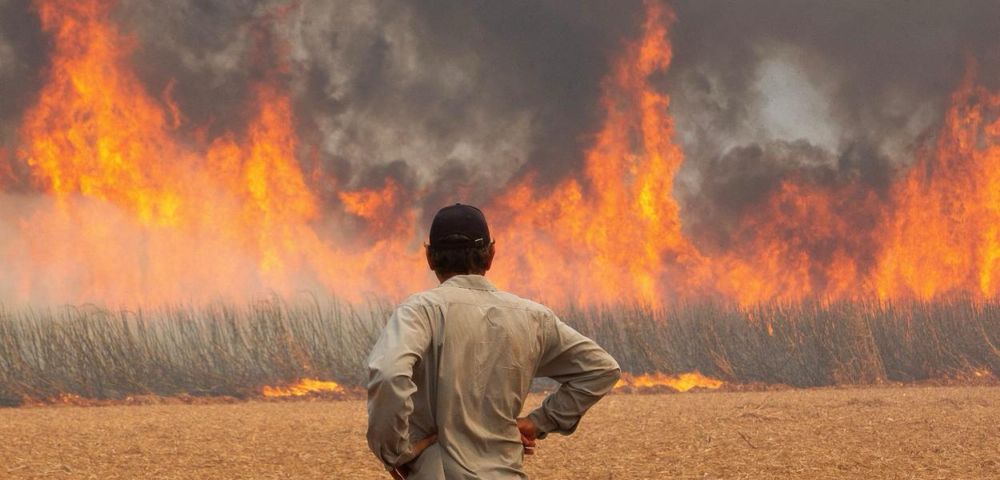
(443, 277)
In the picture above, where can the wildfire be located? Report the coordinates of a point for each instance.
(680, 383)
(134, 212)
(950, 202)
(306, 386)
(614, 235)
(140, 217)
(935, 235)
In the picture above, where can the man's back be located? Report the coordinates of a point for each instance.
(457, 361)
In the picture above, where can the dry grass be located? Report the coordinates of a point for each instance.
(232, 350)
(908, 432)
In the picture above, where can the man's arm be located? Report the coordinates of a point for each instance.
(402, 344)
(585, 371)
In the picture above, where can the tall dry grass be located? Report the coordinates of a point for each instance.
(214, 350)
(235, 350)
(805, 345)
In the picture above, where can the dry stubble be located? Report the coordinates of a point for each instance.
(826, 433)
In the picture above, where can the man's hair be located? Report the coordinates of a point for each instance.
(460, 261)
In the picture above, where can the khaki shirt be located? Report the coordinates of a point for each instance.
(458, 360)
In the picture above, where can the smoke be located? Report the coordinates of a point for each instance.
(461, 96)
(827, 93)
(23, 53)
(452, 100)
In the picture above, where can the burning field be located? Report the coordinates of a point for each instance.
(227, 200)
(113, 195)
(209, 209)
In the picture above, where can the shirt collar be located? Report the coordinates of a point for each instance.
(472, 282)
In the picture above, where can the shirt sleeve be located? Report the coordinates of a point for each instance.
(585, 371)
(402, 344)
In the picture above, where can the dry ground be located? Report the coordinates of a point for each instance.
(829, 433)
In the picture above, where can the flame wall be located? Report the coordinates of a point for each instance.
(159, 163)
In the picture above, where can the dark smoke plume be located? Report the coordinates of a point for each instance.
(840, 90)
(464, 96)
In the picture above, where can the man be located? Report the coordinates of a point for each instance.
(450, 373)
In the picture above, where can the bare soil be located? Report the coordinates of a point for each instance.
(910, 432)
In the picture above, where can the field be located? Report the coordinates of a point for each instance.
(200, 375)
(899, 432)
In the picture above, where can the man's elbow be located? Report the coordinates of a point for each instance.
(615, 374)
(601, 379)
(611, 374)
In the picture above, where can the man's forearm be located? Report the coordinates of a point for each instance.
(562, 410)
(389, 409)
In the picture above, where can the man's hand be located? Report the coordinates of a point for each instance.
(422, 445)
(403, 471)
(529, 434)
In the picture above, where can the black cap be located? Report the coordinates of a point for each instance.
(459, 226)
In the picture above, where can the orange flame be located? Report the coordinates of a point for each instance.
(304, 387)
(936, 235)
(141, 218)
(681, 383)
(799, 245)
(614, 235)
(135, 215)
(945, 235)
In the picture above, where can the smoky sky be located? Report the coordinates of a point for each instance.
(882, 66)
(460, 96)
(830, 92)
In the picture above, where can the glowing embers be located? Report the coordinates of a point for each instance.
(304, 387)
(659, 382)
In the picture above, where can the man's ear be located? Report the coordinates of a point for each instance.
(490, 254)
(430, 260)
